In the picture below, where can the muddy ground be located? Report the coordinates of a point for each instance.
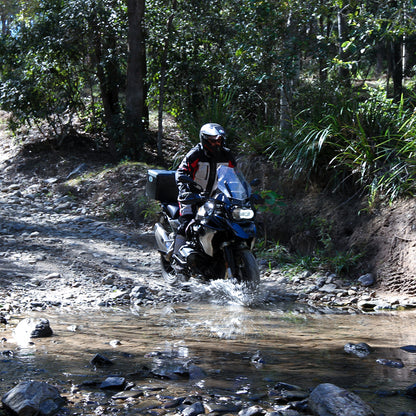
(76, 230)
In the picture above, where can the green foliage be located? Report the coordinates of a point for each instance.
(323, 257)
(272, 202)
(63, 66)
(50, 61)
(149, 209)
(276, 253)
(217, 108)
(369, 144)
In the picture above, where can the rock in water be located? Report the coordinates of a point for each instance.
(33, 328)
(360, 350)
(113, 383)
(330, 400)
(33, 398)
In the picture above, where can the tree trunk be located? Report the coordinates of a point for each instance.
(396, 68)
(285, 104)
(163, 66)
(344, 73)
(136, 71)
(107, 79)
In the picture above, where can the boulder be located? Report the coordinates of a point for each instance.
(33, 328)
(33, 398)
(330, 400)
(367, 279)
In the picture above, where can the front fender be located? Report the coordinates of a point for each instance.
(244, 232)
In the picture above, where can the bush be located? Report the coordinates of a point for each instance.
(370, 144)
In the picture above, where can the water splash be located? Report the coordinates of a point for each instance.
(227, 292)
(230, 325)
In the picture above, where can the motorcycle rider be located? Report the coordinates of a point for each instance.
(200, 165)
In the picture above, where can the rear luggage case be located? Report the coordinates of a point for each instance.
(161, 185)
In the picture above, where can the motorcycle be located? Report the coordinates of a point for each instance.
(221, 237)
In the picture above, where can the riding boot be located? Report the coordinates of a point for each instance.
(180, 241)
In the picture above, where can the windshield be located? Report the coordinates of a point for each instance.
(232, 183)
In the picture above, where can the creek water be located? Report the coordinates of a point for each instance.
(223, 332)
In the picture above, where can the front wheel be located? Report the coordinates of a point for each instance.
(246, 268)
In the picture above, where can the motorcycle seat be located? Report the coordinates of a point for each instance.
(173, 211)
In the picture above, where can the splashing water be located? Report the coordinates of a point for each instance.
(228, 292)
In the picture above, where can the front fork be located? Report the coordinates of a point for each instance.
(229, 260)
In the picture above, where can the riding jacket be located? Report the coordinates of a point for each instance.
(202, 168)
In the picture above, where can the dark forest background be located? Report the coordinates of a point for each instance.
(324, 88)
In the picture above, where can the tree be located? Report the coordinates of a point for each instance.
(163, 68)
(136, 72)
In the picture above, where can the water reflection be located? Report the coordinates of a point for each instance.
(236, 347)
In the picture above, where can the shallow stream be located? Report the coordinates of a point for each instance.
(241, 347)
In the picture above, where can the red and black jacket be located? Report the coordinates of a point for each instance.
(202, 168)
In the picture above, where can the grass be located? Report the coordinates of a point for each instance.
(369, 143)
(323, 257)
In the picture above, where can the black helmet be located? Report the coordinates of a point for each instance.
(212, 137)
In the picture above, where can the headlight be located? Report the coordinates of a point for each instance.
(243, 213)
(206, 210)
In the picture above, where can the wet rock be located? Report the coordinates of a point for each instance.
(367, 279)
(195, 372)
(126, 395)
(386, 393)
(194, 409)
(252, 411)
(169, 368)
(406, 414)
(360, 350)
(100, 360)
(113, 383)
(223, 408)
(390, 363)
(138, 292)
(284, 412)
(33, 328)
(257, 360)
(411, 391)
(32, 398)
(147, 405)
(367, 305)
(285, 393)
(330, 400)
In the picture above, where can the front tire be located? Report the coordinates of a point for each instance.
(247, 269)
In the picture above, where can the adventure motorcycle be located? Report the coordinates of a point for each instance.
(221, 237)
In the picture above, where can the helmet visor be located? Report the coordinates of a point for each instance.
(215, 140)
